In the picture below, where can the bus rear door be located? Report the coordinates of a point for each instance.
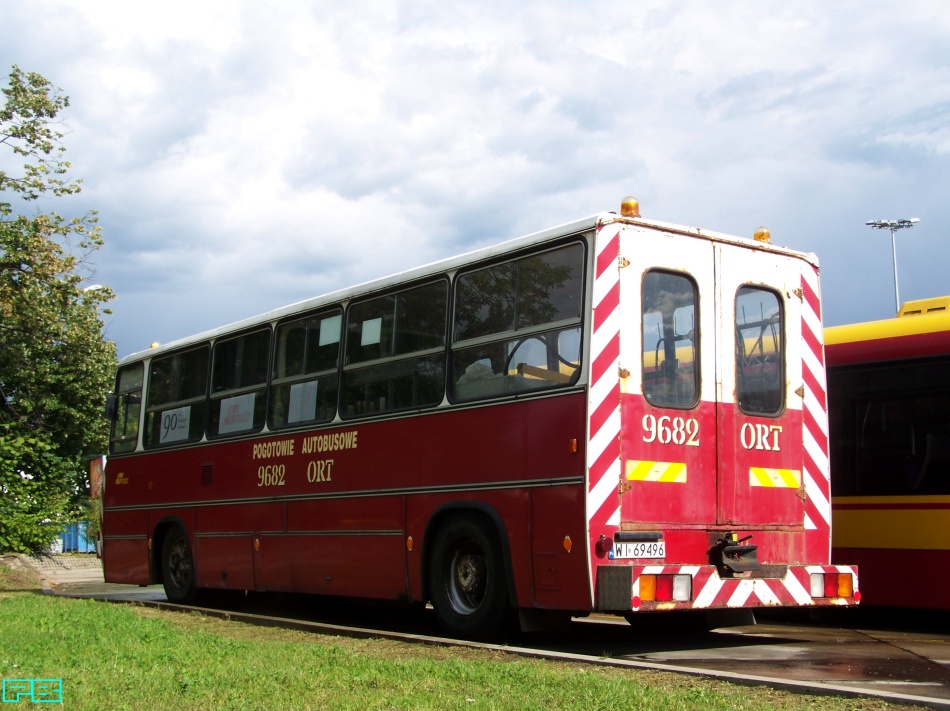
(760, 388)
(712, 430)
(668, 374)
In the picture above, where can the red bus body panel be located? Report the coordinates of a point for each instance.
(352, 508)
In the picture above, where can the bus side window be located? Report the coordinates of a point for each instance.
(670, 361)
(395, 351)
(125, 421)
(305, 379)
(239, 383)
(517, 325)
(760, 352)
(177, 398)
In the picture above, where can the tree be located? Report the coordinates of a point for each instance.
(55, 364)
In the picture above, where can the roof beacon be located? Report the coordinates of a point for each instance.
(630, 207)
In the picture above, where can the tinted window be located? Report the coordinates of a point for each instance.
(238, 383)
(536, 290)
(177, 392)
(125, 423)
(890, 428)
(305, 381)
(670, 362)
(760, 355)
(394, 347)
(517, 325)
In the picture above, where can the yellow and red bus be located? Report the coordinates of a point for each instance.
(889, 409)
(617, 415)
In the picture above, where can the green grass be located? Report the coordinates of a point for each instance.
(123, 657)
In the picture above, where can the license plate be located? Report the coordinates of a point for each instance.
(654, 549)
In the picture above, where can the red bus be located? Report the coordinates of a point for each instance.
(889, 407)
(615, 415)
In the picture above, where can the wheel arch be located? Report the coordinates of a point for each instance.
(159, 533)
(494, 524)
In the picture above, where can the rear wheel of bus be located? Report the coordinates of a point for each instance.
(467, 582)
(178, 569)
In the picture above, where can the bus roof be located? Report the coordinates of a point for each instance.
(922, 328)
(457, 262)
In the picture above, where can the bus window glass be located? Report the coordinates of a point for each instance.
(177, 392)
(890, 428)
(125, 423)
(397, 324)
(305, 381)
(238, 383)
(670, 363)
(395, 351)
(532, 291)
(760, 357)
(516, 325)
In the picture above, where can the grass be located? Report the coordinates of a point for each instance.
(127, 657)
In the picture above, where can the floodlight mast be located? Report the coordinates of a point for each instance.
(893, 226)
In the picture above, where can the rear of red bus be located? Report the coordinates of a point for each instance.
(708, 449)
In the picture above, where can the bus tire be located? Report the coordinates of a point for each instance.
(467, 584)
(178, 568)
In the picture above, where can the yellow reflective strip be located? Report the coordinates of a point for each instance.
(665, 472)
(759, 477)
(791, 478)
(675, 472)
(638, 471)
(775, 478)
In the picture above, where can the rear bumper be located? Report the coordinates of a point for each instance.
(653, 588)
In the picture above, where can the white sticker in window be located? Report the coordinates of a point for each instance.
(372, 331)
(236, 414)
(175, 425)
(303, 402)
(330, 330)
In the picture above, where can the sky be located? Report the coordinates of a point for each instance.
(247, 155)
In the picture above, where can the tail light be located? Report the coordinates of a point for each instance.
(832, 585)
(665, 588)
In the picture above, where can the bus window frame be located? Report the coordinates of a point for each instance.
(694, 335)
(782, 356)
(530, 378)
(164, 406)
(350, 372)
(277, 382)
(216, 397)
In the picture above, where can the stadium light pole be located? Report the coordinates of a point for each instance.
(893, 226)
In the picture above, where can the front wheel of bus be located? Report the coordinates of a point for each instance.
(178, 570)
(467, 581)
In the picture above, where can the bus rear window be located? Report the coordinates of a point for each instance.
(760, 355)
(670, 362)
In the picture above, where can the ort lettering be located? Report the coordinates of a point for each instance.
(319, 470)
(761, 437)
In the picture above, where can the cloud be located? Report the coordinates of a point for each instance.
(245, 156)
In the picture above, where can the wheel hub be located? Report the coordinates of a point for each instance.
(470, 572)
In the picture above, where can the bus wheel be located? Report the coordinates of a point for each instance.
(467, 581)
(178, 569)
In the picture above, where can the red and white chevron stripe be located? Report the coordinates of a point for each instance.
(603, 452)
(815, 410)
